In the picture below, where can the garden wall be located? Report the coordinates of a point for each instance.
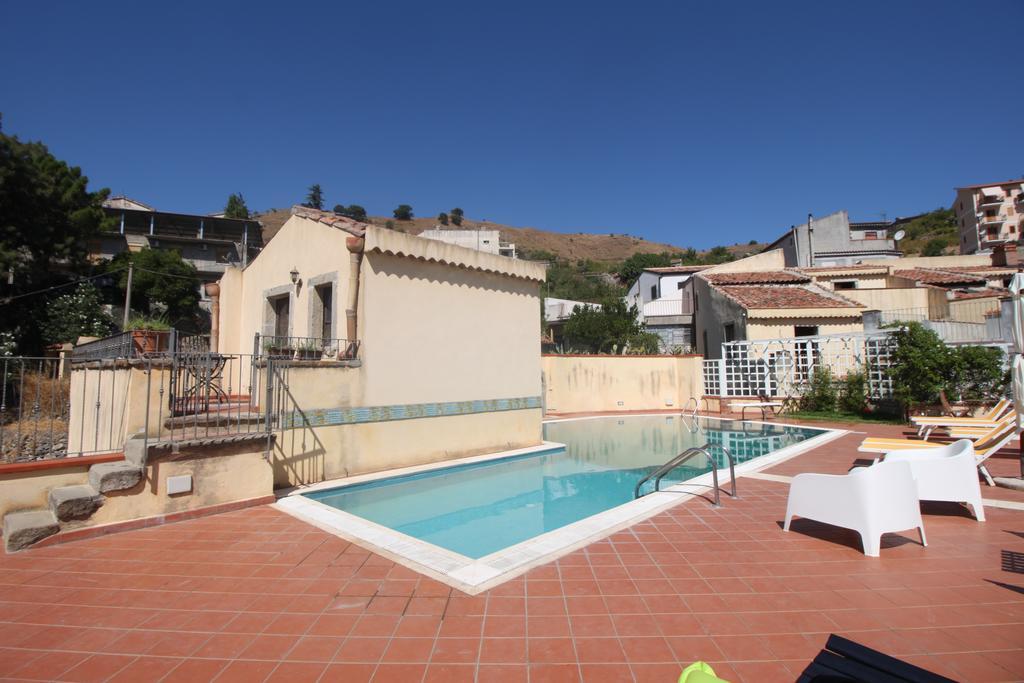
(575, 384)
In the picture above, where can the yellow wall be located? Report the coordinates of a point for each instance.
(779, 328)
(219, 475)
(952, 261)
(576, 384)
(432, 332)
(437, 324)
(309, 455)
(890, 298)
(311, 248)
(972, 310)
(120, 388)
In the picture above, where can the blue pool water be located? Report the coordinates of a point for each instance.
(478, 509)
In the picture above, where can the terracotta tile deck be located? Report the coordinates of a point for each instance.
(256, 595)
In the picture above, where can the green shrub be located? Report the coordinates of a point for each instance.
(976, 373)
(853, 395)
(921, 365)
(820, 395)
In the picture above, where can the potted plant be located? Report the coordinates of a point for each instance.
(149, 335)
(278, 348)
(308, 350)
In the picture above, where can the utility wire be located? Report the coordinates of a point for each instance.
(9, 299)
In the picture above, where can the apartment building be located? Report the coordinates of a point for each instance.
(990, 214)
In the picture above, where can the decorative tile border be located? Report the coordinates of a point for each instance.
(327, 417)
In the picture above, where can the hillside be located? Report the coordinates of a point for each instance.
(572, 246)
(930, 234)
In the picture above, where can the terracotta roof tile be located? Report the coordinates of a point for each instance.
(933, 276)
(677, 269)
(986, 293)
(332, 219)
(768, 277)
(825, 270)
(785, 297)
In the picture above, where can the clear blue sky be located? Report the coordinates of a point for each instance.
(692, 123)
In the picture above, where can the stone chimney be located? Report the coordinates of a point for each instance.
(1005, 255)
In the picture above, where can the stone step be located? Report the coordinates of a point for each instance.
(213, 419)
(22, 529)
(114, 476)
(74, 502)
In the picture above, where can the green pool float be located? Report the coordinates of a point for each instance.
(700, 672)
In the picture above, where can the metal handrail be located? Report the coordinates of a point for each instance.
(696, 405)
(675, 462)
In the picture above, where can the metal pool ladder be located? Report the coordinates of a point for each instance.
(675, 462)
(697, 404)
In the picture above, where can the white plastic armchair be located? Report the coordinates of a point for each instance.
(948, 473)
(870, 500)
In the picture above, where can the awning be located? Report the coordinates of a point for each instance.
(992, 191)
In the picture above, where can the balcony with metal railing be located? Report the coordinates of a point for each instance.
(285, 348)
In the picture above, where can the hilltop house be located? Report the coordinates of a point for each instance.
(482, 240)
(834, 240)
(210, 243)
(664, 304)
(399, 350)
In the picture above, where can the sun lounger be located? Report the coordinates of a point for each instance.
(926, 424)
(763, 403)
(984, 447)
(971, 431)
(947, 473)
(870, 500)
(845, 660)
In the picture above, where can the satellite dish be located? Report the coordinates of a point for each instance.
(900, 234)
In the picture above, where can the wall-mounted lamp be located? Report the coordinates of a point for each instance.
(295, 275)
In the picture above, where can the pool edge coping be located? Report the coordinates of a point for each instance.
(474, 576)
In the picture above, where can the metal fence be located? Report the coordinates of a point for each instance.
(784, 367)
(52, 408)
(34, 408)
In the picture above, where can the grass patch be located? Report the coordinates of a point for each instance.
(844, 417)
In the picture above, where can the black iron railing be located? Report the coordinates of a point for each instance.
(304, 348)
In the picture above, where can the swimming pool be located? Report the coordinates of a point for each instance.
(478, 509)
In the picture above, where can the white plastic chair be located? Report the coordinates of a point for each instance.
(870, 500)
(947, 473)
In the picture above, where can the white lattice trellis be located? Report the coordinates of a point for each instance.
(783, 367)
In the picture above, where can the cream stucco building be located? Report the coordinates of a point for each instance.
(421, 350)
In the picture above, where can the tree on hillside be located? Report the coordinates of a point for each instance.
(577, 282)
(457, 216)
(635, 264)
(718, 255)
(442, 218)
(236, 207)
(353, 211)
(403, 212)
(611, 328)
(936, 246)
(162, 284)
(76, 314)
(47, 216)
(315, 197)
